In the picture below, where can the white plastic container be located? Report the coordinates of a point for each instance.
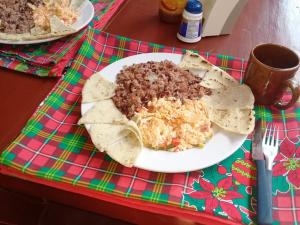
(191, 25)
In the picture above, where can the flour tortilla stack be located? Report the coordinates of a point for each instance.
(231, 108)
(118, 142)
(240, 121)
(230, 104)
(191, 60)
(103, 111)
(217, 78)
(212, 76)
(133, 127)
(97, 88)
(37, 34)
(110, 130)
(231, 98)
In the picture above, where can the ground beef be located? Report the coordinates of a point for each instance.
(140, 83)
(16, 16)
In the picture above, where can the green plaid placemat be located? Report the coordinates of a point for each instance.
(53, 147)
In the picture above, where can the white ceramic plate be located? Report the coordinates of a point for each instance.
(220, 146)
(86, 14)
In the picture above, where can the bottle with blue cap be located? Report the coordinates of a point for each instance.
(191, 26)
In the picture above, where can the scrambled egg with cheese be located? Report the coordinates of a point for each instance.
(61, 9)
(173, 125)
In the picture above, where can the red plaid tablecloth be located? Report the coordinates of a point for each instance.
(51, 58)
(52, 149)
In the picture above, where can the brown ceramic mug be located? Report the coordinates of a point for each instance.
(269, 73)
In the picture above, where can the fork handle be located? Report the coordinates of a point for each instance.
(264, 193)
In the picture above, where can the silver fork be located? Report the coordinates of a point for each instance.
(270, 145)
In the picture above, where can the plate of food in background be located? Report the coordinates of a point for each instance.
(37, 21)
(166, 112)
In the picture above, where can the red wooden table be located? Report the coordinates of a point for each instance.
(260, 21)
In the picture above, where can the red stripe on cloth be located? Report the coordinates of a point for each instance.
(104, 20)
(58, 69)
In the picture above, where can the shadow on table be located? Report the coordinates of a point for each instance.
(20, 209)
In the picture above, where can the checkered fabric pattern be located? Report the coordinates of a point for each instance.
(52, 146)
(51, 58)
(287, 209)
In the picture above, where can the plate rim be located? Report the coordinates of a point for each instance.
(137, 165)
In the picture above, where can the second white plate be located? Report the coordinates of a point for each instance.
(86, 14)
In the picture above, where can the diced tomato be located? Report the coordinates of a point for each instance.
(204, 128)
(175, 142)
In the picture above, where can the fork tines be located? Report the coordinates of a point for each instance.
(270, 144)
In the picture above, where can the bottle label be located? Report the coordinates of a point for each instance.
(190, 28)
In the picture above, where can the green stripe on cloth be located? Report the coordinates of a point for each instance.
(52, 146)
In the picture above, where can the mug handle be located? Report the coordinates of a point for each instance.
(295, 95)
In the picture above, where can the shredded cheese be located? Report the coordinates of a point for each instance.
(43, 13)
(173, 125)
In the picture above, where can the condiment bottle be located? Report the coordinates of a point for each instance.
(170, 11)
(191, 25)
